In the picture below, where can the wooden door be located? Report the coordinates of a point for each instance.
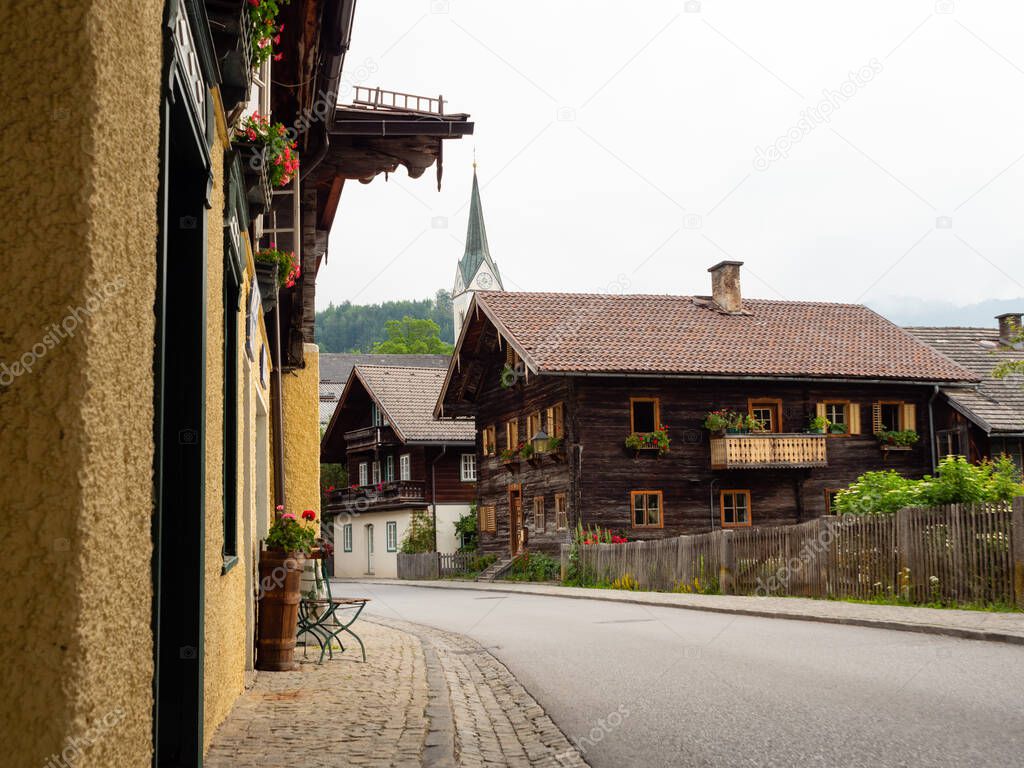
(515, 519)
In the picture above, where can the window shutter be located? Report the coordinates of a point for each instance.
(820, 410)
(876, 418)
(854, 417)
(909, 416)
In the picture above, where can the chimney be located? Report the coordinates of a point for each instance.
(725, 285)
(1009, 328)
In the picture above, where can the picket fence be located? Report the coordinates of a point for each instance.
(958, 553)
(433, 565)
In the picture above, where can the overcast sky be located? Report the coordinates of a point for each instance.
(845, 151)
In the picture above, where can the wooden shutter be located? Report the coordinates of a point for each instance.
(854, 417)
(909, 416)
(819, 409)
(876, 418)
(487, 521)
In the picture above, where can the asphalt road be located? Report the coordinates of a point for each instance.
(639, 686)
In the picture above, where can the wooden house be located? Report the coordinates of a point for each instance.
(986, 420)
(400, 461)
(559, 382)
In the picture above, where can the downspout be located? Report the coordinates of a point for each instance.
(931, 424)
(277, 412)
(711, 502)
(433, 488)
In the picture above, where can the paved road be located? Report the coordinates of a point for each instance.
(641, 686)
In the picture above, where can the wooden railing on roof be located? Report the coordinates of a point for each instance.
(377, 98)
(768, 451)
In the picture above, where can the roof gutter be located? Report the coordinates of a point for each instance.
(739, 377)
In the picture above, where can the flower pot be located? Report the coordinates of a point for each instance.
(266, 276)
(279, 597)
(257, 181)
(229, 29)
(733, 430)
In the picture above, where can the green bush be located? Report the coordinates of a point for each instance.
(419, 536)
(956, 481)
(535, 566)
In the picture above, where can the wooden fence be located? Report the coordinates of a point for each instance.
(432, 565)
(954, 554)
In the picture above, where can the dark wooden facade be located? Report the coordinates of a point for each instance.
(597, 473)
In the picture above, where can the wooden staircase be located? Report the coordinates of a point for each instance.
(497, 568)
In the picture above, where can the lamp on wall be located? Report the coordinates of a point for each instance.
(540, 441)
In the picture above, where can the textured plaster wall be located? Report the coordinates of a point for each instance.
(300, 403)
(81, 85)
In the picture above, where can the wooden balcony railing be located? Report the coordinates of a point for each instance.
(366, 498)
(369, 437)
(377, 98)
(768, 451)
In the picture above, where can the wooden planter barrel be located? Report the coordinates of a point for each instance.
(280, 576)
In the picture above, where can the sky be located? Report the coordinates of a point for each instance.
(868, 152)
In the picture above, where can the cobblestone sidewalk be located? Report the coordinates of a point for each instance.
(423, 698)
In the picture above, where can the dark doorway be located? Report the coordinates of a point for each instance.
(179, 436)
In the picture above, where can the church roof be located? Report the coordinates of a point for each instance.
(476, 252)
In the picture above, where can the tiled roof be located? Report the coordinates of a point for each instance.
(997, 404)
(407, 396)
(688, 335)
(335, 368)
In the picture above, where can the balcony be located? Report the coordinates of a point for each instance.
(368, 498)
(369, 437)
(768, 451)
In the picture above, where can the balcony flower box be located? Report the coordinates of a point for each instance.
(656, 442)
(258, 192)
(230, 27)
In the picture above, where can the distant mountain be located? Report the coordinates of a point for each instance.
(909, 311)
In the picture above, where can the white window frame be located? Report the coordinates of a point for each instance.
(346, 537)
(467, 468)
(364, 477)
(377, 415)
(389, 468)
(375, 470)
(405, 467)
(391, 535)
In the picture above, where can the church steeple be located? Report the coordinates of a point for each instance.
(477, 270)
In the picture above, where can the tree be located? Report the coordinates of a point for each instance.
(1012, 366)
(419, 536)
(351, 327)
(410, 336)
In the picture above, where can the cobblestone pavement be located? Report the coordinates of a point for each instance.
(1007, 627)
(423, 698)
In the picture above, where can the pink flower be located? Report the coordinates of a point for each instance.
(254, 3)
(279, 507)
(278, 56)
(287, 516)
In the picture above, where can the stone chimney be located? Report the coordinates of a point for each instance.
(725, 285)
(1009, 328)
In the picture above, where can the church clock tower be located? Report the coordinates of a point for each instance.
(476, 270)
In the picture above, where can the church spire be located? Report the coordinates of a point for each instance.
(477, 270)
(477, 252)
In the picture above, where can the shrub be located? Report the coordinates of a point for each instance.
(535, 566)
(466, 530)
(419, 536)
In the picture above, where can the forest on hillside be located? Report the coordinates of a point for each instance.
(351, 327)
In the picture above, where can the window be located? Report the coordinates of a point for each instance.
(389, 468)
(647, 512)
(404, 467)
(561, 512)
(556, 423)
(830, 500)
(539, 523)
(735, 508)
(364, 478)
(346, 537)
(468, 468)
(643, 414)
(488, 522)
(232, 307)
(512, 434)
(488, 441)
(533, 427)
(768, 412)
(376, 472)
(377, 416)
(893, 416)
(391, 536)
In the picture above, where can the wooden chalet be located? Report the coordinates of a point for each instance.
(400, 460)
(573, 376)
(986, 420)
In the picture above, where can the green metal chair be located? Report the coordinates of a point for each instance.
(326, 618)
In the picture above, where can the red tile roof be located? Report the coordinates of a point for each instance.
(616, 334)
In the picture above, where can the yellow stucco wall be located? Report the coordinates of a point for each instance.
(300, 403)
(81, 83)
